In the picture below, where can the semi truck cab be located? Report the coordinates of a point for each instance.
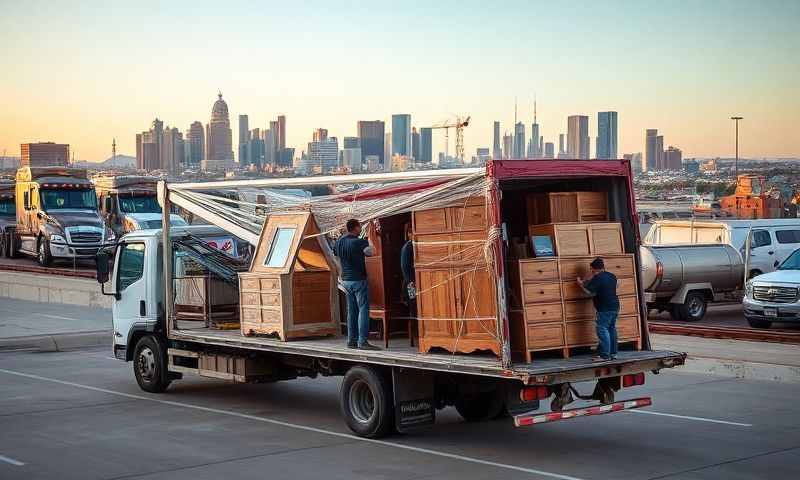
(129, 203)
(57, 217)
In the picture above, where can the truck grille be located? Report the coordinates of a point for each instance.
(86, 237)
(775, 294)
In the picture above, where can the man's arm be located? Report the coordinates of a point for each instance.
(587, 287)
(368, 249)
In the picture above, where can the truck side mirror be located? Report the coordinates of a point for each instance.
(108, 205)
(101, 264)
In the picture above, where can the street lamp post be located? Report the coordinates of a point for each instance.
(736, 164)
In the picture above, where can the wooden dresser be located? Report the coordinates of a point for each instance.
(553, 313)
(577, 239)
(453, 279)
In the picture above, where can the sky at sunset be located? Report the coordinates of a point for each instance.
(85, 72)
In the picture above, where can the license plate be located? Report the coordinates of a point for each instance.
(770, 312)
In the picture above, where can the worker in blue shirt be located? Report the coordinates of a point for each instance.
(602, 286)
(352, 250)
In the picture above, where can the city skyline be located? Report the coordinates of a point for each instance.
(713, 73)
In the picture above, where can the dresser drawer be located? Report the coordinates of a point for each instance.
(572, 290)
(582, 309)
(541, 292)
(619, 265)
(545, 336)
(538, 270)
(581, 333)
(628, 327)
(543, 312)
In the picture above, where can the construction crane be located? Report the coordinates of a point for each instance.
(459, 126)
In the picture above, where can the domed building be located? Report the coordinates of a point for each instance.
(219, 137)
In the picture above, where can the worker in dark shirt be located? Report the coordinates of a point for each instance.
(351, 250)
(602, 286)
(409, 276)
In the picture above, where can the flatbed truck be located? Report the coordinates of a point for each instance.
(394, 389)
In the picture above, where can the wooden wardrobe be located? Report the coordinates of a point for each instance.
(456, 297)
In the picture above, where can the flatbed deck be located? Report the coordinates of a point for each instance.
(400, 354)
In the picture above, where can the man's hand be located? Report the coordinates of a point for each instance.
(579, 281)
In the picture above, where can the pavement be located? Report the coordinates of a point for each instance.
(80, 415)
(50, 326)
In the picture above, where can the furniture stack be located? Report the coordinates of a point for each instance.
(550, 310)
(456, 300)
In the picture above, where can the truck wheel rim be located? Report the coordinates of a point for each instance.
(695, 307)
(146, 363)
(362, 401)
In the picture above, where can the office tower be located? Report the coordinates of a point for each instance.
(372, 135)
(196, 142)
(320, 135)
(578, 137)
(43, 154)
(401, 134)
(351, 154)
(562, 152)
(150, 147)
(172, 150)
(508, 146)
(482, 156)
(536, 142)
(548, 150)
(387, 152)
(323, 152)
(219, 137)
(351, 142)
(256, 148)
(281, 133)
(606, 146)
(519, 141)
(673, 159)
(244, 139)
(425, 145)
(497, 151)
(651, 153)
(415, 144)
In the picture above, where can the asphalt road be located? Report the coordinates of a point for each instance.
(80, 415)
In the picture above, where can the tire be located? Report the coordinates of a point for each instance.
(480, 407)
(693, 308)
(150, 365)
(366, 402)
(758, 323)
(44, 256)
(11, 242)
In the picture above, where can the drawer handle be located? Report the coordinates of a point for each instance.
(541, 292)
(544, 312)
(540, 271)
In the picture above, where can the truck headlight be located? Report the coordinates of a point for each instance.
(55, 238)
(748, 289)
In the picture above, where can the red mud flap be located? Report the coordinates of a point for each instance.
(532, 419)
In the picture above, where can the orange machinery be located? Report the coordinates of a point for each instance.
(752, 199)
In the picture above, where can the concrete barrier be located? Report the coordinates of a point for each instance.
(37, 287)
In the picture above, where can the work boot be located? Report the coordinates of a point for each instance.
(352, 345)
(368, 346)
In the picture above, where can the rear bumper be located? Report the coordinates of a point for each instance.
(527, 419)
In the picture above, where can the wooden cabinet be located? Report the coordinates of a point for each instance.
(580, 239)
(554, 313)
(565, 207)
(456, 302)
(290, 291)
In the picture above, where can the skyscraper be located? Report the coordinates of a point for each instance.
(508, 146)
(536, 143)
(323, 152)
(244, 139)
(371, 135)
(401, 134)
(281, 133)
(196, 141)
(651, 150)
(497, 150)
(660, 152)
(425, 145)
(673, 159)
(320, 135)
(219, 137)
(387, 152)
(548, 150)
(149, 147)
(562, 152)
(43, 154)
(415, 152)
(172, 150)
(606, 146)
(519, 141)
(578, 137)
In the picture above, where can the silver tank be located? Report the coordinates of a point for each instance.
(719, 264)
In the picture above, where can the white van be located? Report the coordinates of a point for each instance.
(774, 239)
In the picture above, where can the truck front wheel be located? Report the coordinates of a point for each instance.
(693, 309)
(366, 402)
(44, 256)
(150, 365)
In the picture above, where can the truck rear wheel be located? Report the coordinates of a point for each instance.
(693, 308)
(150, 365)
(366, 402)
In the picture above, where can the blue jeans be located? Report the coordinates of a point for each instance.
(606, 323)
(357, 311)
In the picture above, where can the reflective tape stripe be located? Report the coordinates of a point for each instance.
(533, 419)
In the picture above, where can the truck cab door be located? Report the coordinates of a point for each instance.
(130, 309)
(762, 252)
(787, 241)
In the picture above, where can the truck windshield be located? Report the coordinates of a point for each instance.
(57, 199)
(791, 263)
(7, 207)
(139, 204)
